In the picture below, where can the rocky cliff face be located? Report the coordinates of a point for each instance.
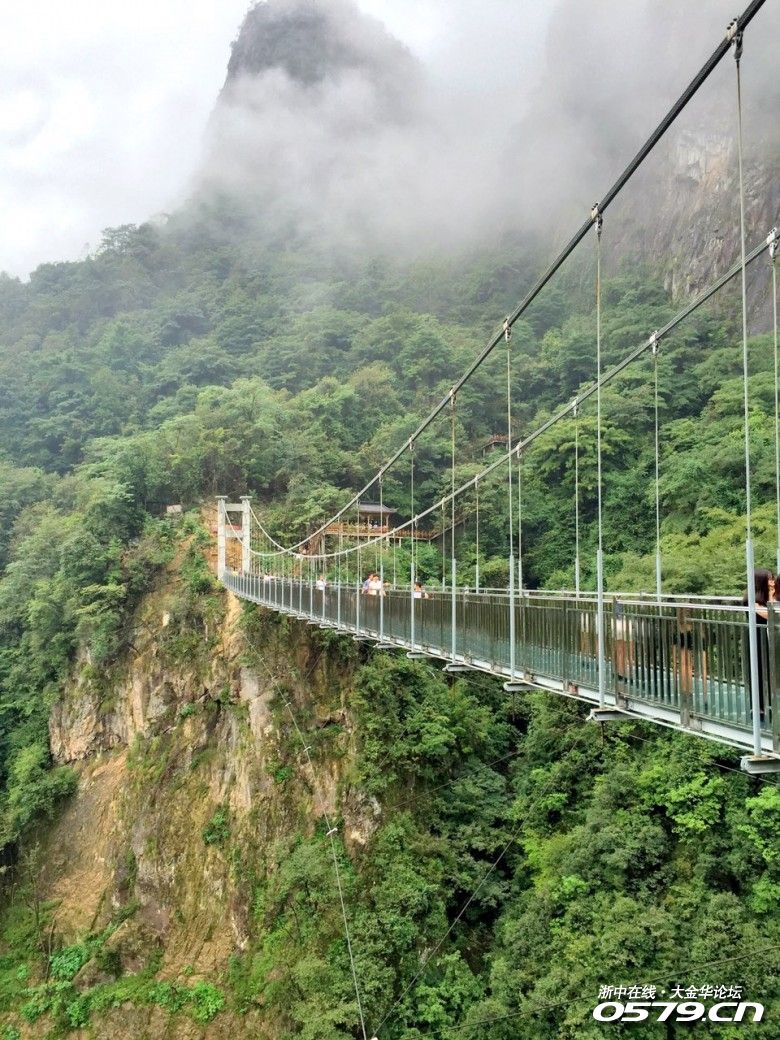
(190, 772)
(683, 218)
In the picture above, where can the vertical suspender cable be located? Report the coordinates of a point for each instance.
(381, 560)
(338, 575)
(512, 634)
(749, 555)
(358, 576)
(576, 412)
(520, 603)
(376, 540)
(453, 563)
(412, 576)
(519, 522)
(772, 239)
(658, 585)
(600, 550)
(323, 569)
(476, 566)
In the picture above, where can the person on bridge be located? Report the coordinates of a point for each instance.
(322, 583)
(765, 583)
(374, 585)
(765, 586)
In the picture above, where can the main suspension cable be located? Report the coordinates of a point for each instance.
(672, 114)
(567, 409)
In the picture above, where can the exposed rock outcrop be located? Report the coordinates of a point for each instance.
(688, 226)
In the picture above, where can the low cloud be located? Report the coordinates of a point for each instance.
(506, 115)
(480, 149)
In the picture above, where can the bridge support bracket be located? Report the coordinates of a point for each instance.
(385, 646)
(609, 715)
(455, 668)
(755, 765)
(418, 655)
(517, 687)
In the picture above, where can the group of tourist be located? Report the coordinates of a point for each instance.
(373, 585)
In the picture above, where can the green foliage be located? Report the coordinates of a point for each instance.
(412, 720)
(195, 573)
(167, 995)
(68, 962)
(206, 1001)
(281, 774)
(69, 584)
(78, 1011)
(217, 830)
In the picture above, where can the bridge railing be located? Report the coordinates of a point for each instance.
(689, 659)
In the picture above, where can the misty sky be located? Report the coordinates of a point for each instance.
(104, 104)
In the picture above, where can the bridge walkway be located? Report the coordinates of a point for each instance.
(681, 665)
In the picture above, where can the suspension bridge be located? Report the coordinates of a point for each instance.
(708, 666)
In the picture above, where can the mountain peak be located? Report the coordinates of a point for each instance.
(314, 43)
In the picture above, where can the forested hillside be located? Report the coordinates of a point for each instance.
(184, 361)
(166, 867)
